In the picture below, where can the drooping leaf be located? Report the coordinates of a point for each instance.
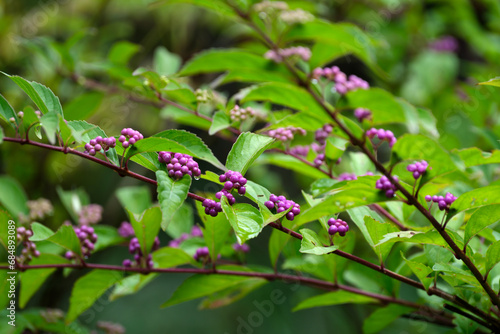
(421, 271)
(42, 96)
(182, 222)
(246, 149)
(7, 112)
(311, 243)
(492, 255)
(50, 124)
(88, 289)
(166, 62)
(232, 294)
(220, 122)
(383, 317)
(377, 231)
(202, 285)
(131, 284)
(136, 199)
(246, 220)
(171, 195)
(334, 298)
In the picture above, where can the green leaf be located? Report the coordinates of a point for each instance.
(246, 220)
(43, 97)
(277, 242)
(430, 237)
(492, 82)
(480, 219)
(334, 298)
(287, 95)
(165, 62)
(168, 257)
(122, 51)
(40, 232)
(7, 112)
(193, 143)
(216, 231)
(66, 237)
(4, 232)
(383, 105)
(475, 157)
(83, 106)
(131, 285)
(202, 285)
(146, 227)
(232, 294)
(383, 317)
(88, 289)
(217, 6)
(32, 280)
(220, 122)
(182, 222)
(291, 163)
(377, 231)
(136, 199)
(492, 255)
(73, 200)
(12, 196)
(347, 195)
(171, 195)
(248, 147)
(421, 271)
(476, 198)
(107, 236)
(50, 124)
(311, 244)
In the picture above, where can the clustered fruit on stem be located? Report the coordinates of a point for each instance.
(99, 144)
(337, 226)
(179, 164)
(29, 247)
(87, 237)
(196, 232)
(343, 84)
(129, 137)
(140, 261)
(281, 204)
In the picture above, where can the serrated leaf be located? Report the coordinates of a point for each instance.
(43, 97)
(135, 199)
(220, 121)
(475, 157)
(377, 231)
(480, 219)
(383, 317)
(130, 285)
(171, 195)
(492, 255)
(492, 82)
(32, 280)
(88, 289)
(248, 147)
(216, 231)
(7, 112)
(287, 95)
(246, 220)
(12, 196)
(476, 198)
(202, 285)
(311, 244)
(334, 298)
(146, 227)
(50, 124)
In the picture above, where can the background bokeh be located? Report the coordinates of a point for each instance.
(432, 53)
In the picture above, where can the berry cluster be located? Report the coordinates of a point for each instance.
(98, 143)
(129, 137)
(241, 248)
(343, 84)
(179, 164)
(284, 134)
(134, 248)
(232, 180)
(90, 214)
(385, 185)
(418, 168)
(29, 247)
(444, 203)
(195, 232)
(362, 113)
(238, 114)
(282, 204)
(87, 237)
(201, 253)
(213, 208)
(347, 177)
(278, 56)
(337, 225)
(319, 160)
(126, 230)
(39, 209)
(383, 135)
(322, 134)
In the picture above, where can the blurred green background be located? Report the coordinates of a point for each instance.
(432, 53)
